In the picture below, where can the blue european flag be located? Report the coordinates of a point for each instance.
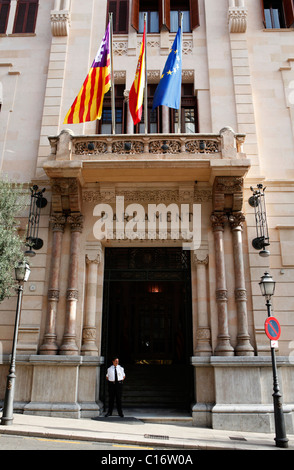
(168, 92)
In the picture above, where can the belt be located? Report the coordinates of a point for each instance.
(113, 381)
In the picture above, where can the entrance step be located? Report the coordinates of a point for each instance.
(159, 386)
(160, 415)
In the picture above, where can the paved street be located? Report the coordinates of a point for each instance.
(36, 443)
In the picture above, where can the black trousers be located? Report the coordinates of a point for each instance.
(115, 392)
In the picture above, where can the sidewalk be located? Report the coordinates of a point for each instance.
(132, 430)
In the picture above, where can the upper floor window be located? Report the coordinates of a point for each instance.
(151, 8)
(4, 14)
(26, 16)
(189, 112)
(278, 14)
(164, 14)
(104, 126)
(120, 10)
(177, 6)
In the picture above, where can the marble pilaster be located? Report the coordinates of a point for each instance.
(223, 347)
(243, 347)
(49, 346)
(203, 334)
(69, 346)
(93, 259)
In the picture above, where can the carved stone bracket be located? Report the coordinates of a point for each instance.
(228, 194)
(66, 195)
(237, 19)
(60, 23)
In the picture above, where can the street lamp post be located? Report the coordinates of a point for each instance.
(267, 286)
(22, 273)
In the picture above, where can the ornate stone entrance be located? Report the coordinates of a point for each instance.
(147, 322)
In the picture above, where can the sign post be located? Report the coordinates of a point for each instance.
(273, 331)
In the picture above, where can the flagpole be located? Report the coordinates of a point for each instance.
(180, 109)
(146, 78)
(112, 73)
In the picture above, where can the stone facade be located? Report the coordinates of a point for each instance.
(243, 76)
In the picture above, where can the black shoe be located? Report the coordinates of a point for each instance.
(121, 415)
(108, 414)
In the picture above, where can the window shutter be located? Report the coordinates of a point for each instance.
(262, 11)
(164, 14)
(289, 12)
(135, 15)
(4, 13)
(194, 14)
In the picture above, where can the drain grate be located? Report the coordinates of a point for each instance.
(154, 436)
(237, 438)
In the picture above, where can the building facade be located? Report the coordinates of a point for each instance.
(187, 320)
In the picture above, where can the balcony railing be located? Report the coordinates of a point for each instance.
(225, 145)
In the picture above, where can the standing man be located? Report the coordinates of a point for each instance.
(115, 376)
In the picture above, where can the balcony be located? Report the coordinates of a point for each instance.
(146, 157)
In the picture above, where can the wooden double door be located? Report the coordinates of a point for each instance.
(147, 322)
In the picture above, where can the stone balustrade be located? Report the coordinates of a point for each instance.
(225, 145)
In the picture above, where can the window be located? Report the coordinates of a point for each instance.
(278, 14)
(120, 10)
(175, 7)
(189, 112)
(26, 16)
(104, 125)
(151, 8)
(4, 14)
(163, 12)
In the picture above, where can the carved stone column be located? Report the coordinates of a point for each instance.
(49, 346)
(89, 346)
(223, 347)
(203, 336)
(243, 347)
(69, 346)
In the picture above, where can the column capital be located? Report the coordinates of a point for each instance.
(236, 220)
(218, 220)
(76, 222)
(58, 222)
(200, 258)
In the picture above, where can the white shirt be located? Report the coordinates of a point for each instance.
(120, 373)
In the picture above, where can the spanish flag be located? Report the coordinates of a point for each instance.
(89, 102)
(137, 89)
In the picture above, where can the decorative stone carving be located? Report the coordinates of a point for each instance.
(120, 48)
(76, 222)
(237, 19)
(228, 193)
(147, 196)
(218, 221)
(65, 195)
(60, 23)
(58, 222)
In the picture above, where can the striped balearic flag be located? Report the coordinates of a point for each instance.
(88, 104)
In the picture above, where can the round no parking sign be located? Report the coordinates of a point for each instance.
(272, 328)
